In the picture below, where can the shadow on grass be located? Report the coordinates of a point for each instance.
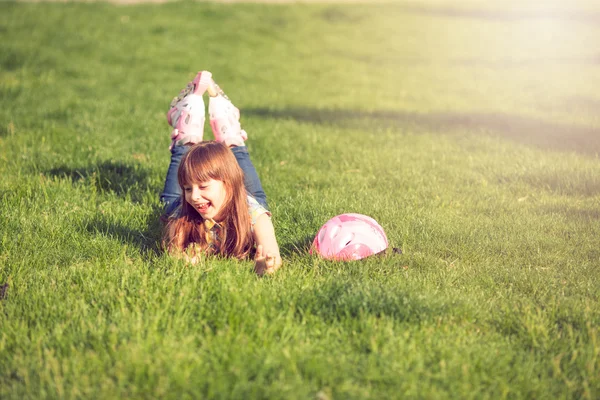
(335, 301)
(500, 63)
(573, 213)
(504, 14)
(524, 130)
(566, 184)
(108, 176)
(128, 181)
(148, 240)
(526, 62)
(300, 247)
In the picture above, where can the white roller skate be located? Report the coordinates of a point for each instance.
(187, 114)
(224, 117)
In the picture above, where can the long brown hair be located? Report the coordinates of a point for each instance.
(205, 161)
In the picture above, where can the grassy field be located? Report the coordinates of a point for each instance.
(470, 131)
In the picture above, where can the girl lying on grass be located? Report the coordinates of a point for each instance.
(213, 198)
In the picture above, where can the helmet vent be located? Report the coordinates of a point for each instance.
(333, 232)
(348, 238)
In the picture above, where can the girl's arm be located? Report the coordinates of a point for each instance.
(267, 259)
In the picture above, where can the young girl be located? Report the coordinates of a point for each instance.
(213, 198)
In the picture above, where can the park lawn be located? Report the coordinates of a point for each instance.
(471, 132)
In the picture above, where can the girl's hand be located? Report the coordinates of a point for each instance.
(265, 263)
(267, 259)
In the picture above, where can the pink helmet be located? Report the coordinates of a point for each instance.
(350, 237)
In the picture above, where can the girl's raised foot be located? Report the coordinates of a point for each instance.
(224, 117)
(187, 113)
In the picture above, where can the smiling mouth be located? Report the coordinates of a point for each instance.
(202, 207)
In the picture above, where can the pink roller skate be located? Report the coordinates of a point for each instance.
(186, 114)
(224, 117)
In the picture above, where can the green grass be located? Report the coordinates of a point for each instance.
(470, 131)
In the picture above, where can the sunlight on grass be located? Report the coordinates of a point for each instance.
(469, 130)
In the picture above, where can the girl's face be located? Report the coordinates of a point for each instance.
(208, 198)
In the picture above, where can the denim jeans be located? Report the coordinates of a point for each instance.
(171, 195)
